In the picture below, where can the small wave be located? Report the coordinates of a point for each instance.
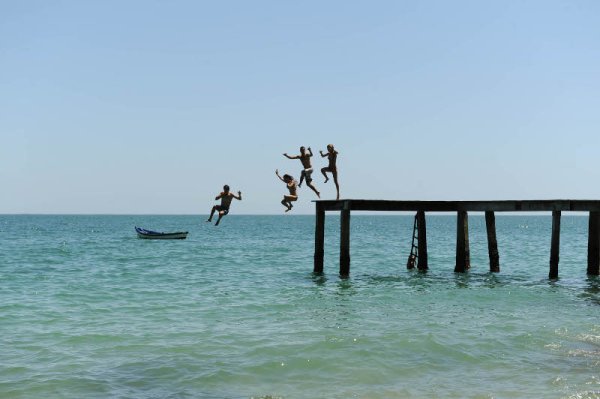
(590, 338)
(585, 395)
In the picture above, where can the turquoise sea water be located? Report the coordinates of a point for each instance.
(87, 310)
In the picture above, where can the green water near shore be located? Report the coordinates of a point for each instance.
(88, 310)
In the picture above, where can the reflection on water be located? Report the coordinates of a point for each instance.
(461, 280)
(345, 287)
(591, 291)
(319, 279)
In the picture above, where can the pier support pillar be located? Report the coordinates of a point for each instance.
(422, 241)
(319, 238)
(463, 256)
(554, 248)
(490, 224)
(345, 241)
(593, 268)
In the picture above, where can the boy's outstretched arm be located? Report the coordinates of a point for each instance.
(277, 173)
(290, 157)
(239, 196)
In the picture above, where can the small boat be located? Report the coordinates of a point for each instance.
(155, 235)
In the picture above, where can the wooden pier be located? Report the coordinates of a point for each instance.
(462, 229)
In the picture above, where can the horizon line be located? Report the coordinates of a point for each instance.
(332, 213)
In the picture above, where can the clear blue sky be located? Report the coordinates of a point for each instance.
(151, 106)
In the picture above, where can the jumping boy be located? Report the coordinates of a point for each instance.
(226, 197)
(291, 185)
(332, 168)
(304, 157)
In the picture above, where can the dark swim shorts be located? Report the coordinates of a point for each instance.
(222, 209)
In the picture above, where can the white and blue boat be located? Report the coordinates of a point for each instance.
(155, 235)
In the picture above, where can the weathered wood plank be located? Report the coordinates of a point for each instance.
(319, 238)
(490, 225)
(555, 245)
(585, 205)
(468, 206)
(345, 243)
(593, 267)
(463, 258)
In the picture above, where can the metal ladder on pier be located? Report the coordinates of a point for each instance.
(414, 247)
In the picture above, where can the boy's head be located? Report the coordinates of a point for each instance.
(287, 178)
(226, 188)
(302, 150)
(329, 147)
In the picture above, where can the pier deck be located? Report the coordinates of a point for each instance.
(345, 206)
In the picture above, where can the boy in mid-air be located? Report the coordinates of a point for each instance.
(226, 197)
(306, 173)
(331, 155)
(291, 185)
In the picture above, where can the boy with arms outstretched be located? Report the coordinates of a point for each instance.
(304, 157)
(226, 197)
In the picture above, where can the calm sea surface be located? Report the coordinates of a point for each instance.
(87, 310)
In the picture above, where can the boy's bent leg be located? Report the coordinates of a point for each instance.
(289, 199)
(323, 170)
(222, 213)
(286, 202)
(212, 212)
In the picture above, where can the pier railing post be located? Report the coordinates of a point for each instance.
(463, 257)
(345, 240)
(490, 224)
(593, 268)
(555, 245)
(422, 263)
(319, 237)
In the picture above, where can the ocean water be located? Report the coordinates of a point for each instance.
(87, 310)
